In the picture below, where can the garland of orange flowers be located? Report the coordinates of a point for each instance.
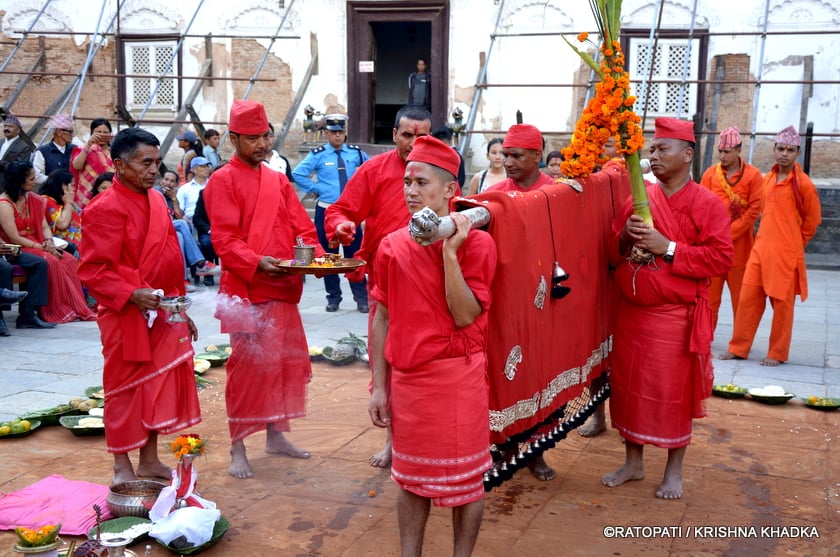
(608, 114)
(189, 444)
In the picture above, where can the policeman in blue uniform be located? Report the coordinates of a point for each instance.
(333, 164)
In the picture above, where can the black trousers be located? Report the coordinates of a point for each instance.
(36, 278)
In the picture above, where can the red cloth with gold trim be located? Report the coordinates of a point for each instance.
(543, 352)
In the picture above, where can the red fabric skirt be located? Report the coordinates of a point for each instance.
(141, 397)
(65, 299)
(654, 377)
(268, 371)
(440, 430)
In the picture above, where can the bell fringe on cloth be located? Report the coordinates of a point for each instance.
(539, 439)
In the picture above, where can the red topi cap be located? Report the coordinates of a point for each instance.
(432, 150)
(672, 128)
(523, 136)
(248, 118)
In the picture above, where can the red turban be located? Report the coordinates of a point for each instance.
(729, 138)
(524, 136)
(248, 118)
(672, 128)
(432, 150)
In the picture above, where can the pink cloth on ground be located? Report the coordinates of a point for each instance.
(52, 500)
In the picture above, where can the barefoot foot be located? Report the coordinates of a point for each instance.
(670, 488)
(627, 473)
(155, 469)
(594, 427)
(382, 458)
(770, 362)
(239, 465)
(729, 356)
(276, 443)
(541, 470)
(121, 476)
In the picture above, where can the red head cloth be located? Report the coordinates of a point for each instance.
(672, 128)
(524, 136)
(788, 136)
(729, 138)
(248, 118)
(433, 151)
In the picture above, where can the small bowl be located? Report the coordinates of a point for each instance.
(175, 306)
(304, 254)
(133, 498)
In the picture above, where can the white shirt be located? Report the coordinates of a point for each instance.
(188, 196)
(6, 145)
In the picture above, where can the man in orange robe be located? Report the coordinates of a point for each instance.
(374, 195)
(790, 214)
(738, 186)
(257, 218)
(130, 254)
(661, 363)
(429, 343)
(522, 149)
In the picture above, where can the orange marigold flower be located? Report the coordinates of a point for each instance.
(583, 36)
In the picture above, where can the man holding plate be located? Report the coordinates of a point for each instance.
(257, 220)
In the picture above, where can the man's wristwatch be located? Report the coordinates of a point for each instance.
(668, 256)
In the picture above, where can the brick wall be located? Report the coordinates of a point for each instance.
(275, 95)
(99, 94)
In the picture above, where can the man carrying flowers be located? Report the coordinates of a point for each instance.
(661, 362)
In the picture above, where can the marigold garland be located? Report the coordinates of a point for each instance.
(189, 444)
(608, 114)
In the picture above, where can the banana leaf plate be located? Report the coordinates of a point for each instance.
(33, 425)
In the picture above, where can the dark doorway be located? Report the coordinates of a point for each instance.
(390, 36)
(398, 47)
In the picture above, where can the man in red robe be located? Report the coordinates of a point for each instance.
(130, 259)
(738, 186)
(257, 219)
(661, 365)
(374, 195)
(429, 343)
(522, 148)
(790, 215)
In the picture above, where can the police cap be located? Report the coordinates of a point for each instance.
(335, 122)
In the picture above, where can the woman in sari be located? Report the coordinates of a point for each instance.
(88, 162)
(63, 216)
(22, 222)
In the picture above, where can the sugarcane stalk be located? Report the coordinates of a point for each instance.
(641, 205)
